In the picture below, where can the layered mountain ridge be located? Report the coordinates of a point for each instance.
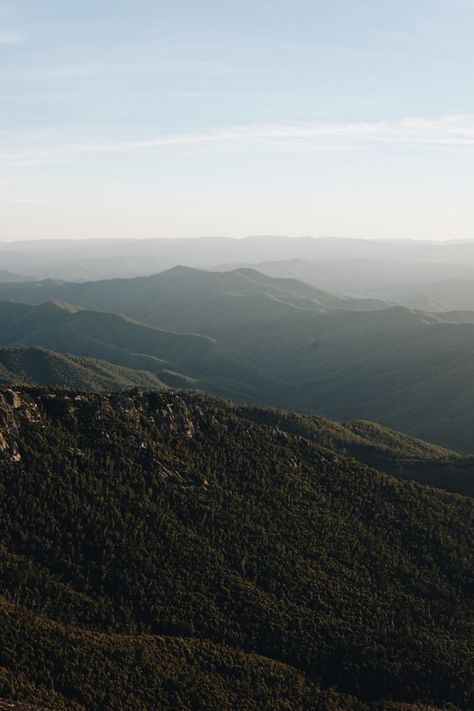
(272, 341)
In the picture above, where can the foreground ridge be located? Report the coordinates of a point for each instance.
(168, 550)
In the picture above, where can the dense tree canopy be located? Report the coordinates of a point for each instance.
(164, 550)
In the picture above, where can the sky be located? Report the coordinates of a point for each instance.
(144, 118)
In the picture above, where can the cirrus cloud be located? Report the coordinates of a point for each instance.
(445, 132)
(9, 39)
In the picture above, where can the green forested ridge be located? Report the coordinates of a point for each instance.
(378, 446)
(38, 366)
(162, 550)
(389, 451)
(349, 437)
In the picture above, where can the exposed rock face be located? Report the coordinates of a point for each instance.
(174, 413)
(179, 418)
(12, 398)
(10, 401)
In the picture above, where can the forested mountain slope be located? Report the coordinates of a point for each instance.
(373, 444)
(161, 550)
(38, 366)
(389, 451)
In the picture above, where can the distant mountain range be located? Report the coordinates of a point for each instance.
(94, 259)
(397, 281)
(259, 339)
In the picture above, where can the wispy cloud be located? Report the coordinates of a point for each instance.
(6, 38)
(445, 132)
(118, 67)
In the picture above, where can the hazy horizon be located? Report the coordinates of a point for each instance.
(197, 237)
(145, 119)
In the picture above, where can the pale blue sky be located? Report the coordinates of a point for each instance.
(147, 118)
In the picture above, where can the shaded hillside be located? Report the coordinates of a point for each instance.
(179, 360)
(283, 343)
(406, 369)
(162, 551)
(37, 366)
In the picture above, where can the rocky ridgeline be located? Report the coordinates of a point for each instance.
(95, 417)
(133, 426)
(10, 403)
(32, 404)
(98, 421)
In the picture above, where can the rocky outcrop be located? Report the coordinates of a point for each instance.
(81, 413)
(10, 402)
